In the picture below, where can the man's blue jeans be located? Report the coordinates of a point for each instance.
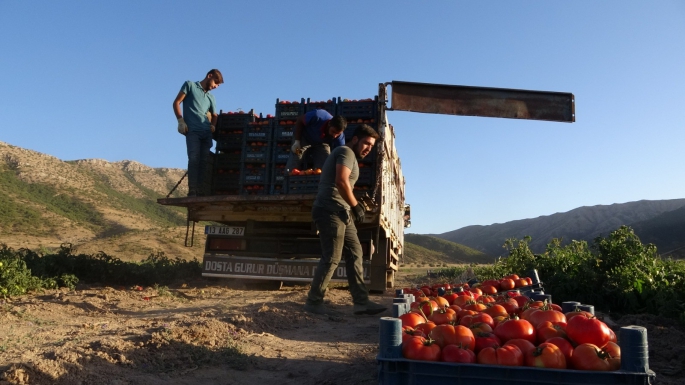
(198, 144)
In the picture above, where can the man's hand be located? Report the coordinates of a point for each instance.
(295, 149)
(358, 212)
(182, 126)
(213, 128)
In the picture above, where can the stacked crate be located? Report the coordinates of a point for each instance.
(287, 114)
(230, 137)
(330, 105)
(358, 112)
(255, 170)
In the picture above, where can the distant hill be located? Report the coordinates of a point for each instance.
(583, 223)
(427, 249)
(93, 204)
(666, 231)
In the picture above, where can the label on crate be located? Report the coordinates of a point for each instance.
(282, 157)
(285, 114)
(256, 155)
(259, 135)
(254, 178)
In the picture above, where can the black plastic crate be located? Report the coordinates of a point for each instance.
(329, 105)
(283, 132)
(289, 110)
(365, 109)
(259, 130)
(367, 175)
(227, 159)
(238, 119)
(226, 184)
(254, 173)
(257, 151)
(278, 174)
(281, 152)
(302, 184)
(255, 189)
(231, 141)
(277, 188)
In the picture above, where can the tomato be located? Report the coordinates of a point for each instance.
(469, 320)
(453, 335)
(614, 352)
(496, 310)
(477, 292)
(521, 300)
(418, 348)
(427, 306)
(499, 319)
(410, 333)
(456, 353)
(443, 316)
(546, 356)
(582, 329)
(450, 297)
(478, 307)
(565, 346)
(510, 305)
(490, 282)
(486, 299)
(547, 330)
(515, 328)
(523, 345)
(488, 289)
(442, 302)
(464, 313)
(485, 340)
(506, 284)
(521, 282)
(612, 336)
(545, 314)
(508, 355)
(462, 300)
(425, 327)
(411, 319)
(590, 357)
(512, 277)
(575, 313)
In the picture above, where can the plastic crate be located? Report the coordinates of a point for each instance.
(367, 176)
(329, 105)
(278, 175)
(302, 184)
(226, 184)
(283, 133)
(226, 142)
(358, 109)
(277, 189)
(256, 152)
(399, 371)
(289, 110)
(281, 152)
(227, 159)
(254, 173)
(230, 120)
(260, 129)
(255, 189)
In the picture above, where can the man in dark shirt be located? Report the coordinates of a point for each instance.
(316, 134)
(335, 212)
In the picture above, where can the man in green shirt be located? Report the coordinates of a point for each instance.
(335, 213)
(197, 123)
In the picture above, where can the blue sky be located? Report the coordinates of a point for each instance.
(97, 80)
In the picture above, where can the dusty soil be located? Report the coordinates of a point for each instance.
(207, 332)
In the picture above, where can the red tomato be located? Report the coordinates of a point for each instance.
(469, 320)
(546, 356)
(486, 299)
(510, 305)
(442, 302)
(480, 327)
(427, 306)
(455, 353)
(490, 282)
(521, 282)
(411, 319)
(506, 284)
(547, 330)
(488, 289)
(565, 346)
(450, 297)
(485, 340)
(523, 345)
(521, 300)
(515, 328)
(410, 333)
(512, 276)
(418, 348)
(588, 330)
(425, 327)
(453, 335)
(443, 316)
(508, 355)
(590, 357)
(496, 310)
(614, 352)
(546, 315)
(478, 307)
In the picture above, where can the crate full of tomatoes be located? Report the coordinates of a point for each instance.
(462, 334)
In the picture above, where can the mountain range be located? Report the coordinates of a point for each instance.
(661, 222)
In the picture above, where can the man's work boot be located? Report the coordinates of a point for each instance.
(321, 310)
(369, 308)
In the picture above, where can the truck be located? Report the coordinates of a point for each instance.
(258, 214)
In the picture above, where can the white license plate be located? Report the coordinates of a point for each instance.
(225, 230)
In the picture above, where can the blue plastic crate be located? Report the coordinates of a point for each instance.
(234, 119)
(281, 152)
(255, 189)
(254, 173)
(256, 152)
(283, 132)
(261, 129)
(302, 184)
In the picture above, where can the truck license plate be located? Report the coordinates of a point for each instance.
(225, 230)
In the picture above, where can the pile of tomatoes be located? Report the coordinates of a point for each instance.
(468, 325)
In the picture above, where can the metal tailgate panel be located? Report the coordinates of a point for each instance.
(482, 101)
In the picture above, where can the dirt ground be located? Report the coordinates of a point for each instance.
(207, 332)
